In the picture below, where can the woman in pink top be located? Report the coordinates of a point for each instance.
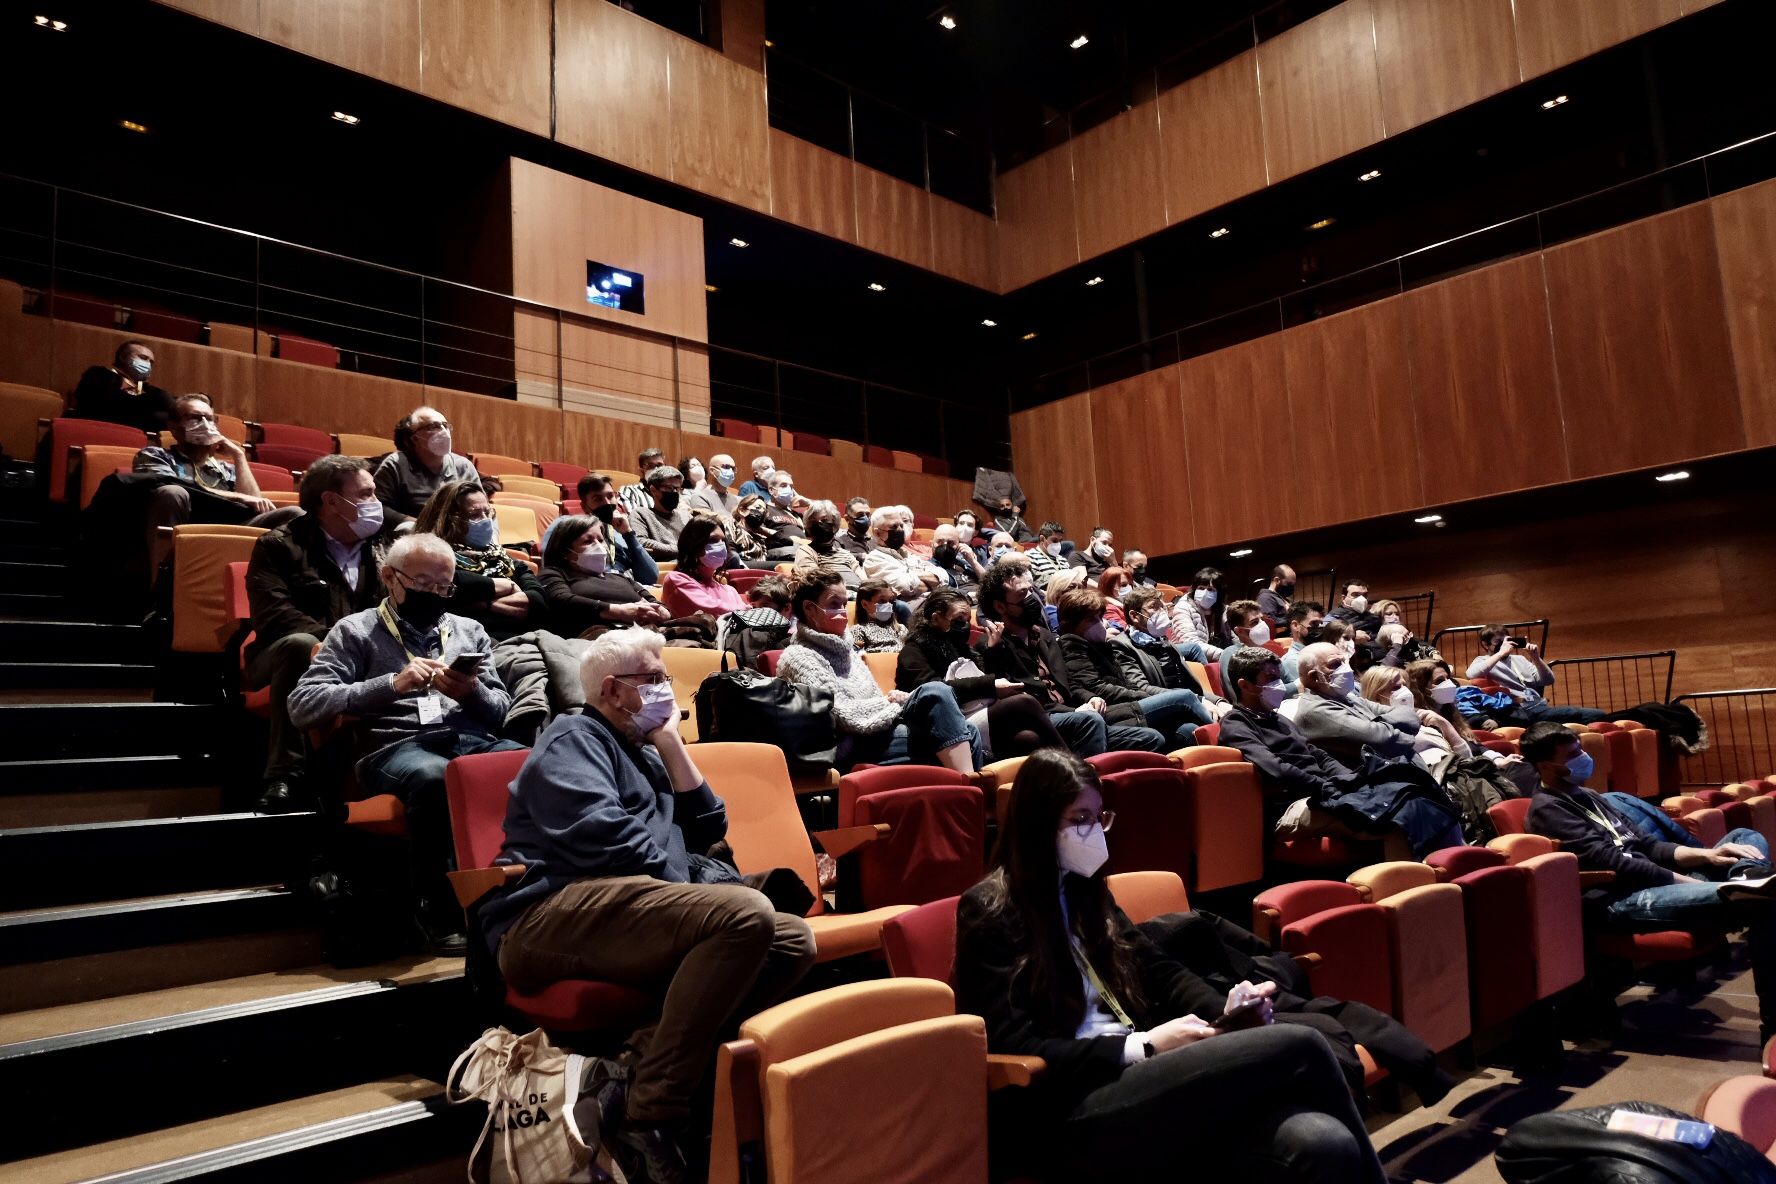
(698, 586)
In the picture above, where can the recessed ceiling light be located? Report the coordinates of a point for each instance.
(1030, 336)
(1079, 42)
(710, 288)
(1370, 175)
(738, 242)
(130, 125)
(1241, 553)
(990, 323)
(44, 22)
(875, 287)
(947, 21)
(347, 119)
(1554, 102)
(1321, 224)
(1427, 519)
(1220, 232)
(1674, 475)
(1094, 281)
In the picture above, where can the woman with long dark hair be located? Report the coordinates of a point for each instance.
(1139, 1085)
(700, 585)
(582, 590)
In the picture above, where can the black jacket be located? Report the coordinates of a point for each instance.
(926, 656)
(1289, 767)
(294, 586)
(1639, 862)
(577, 604)
(1159, 664)
(100, 395)
(1022, 660)
(1093, 666)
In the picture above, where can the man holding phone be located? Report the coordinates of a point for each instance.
(418, 682)
(1515, 663)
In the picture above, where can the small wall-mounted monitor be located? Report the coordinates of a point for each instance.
(615, 287)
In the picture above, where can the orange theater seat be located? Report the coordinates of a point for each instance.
(492, 464)
(96, 462)
(1224, 807)
(1510, 817)
(22, 408)
(292, 436)
(66, 434)
(204, 619)
(1143, 896)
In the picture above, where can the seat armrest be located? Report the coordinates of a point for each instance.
(1005, 1070)
(471, 884)
(846, 839)
(1309, 962)
(1596, 879)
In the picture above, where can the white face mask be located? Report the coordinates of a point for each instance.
(367, 520)
(1402, 697)
(965, 534)
(1158, 624)
(1391, 619)
(1259, 633)
(1083, 857)
(436, 444)
(695, 475)
(1053, 549)
(1348, 648)
(1205, 598)
(201, 432)
(1342, 681)
(1272, 694)
(1359, 604)
(593, 559)
(1443, 693)
(883, 612)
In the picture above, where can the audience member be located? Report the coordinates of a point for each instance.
(1046, 557)
(760, 485)
(1308, 794)
(856, 537)
(937, 649)
(1196, 616)
(960, 567)
(923, 727)
(1098, 554)
(718, 493)
(1437, 742)
(1434, 689)
(1097, 667)
(121, 392)
(700, 585)
(399, 671)
(659, 522)
(636, 495)
(1245, 621)
(1274, 598)
(1303, 615)
(301, 579)
(1658, 885)
(1059, 584)
(584, 592)
(780, 526)
(1000, 545)
(744, 540)
(910, 576)
(1353, 610)
(696, 478)
(422, 461)
(499, 593)
(877, 631)
(1161, 663)
(1113, 583)
(1021, 650)
(1136, 562)
(970, 535)
(1519, 669)
(598, 497)
(205, 478)
(784, 496)
(1135, 1073)
(1332, 715)
(821, 551)
(611, 819)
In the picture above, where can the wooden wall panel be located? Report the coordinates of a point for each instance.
(375, 37)
(492, 59)
(1349, 379)
(693, 382)
(1745, 227)
(601, 442)
(719, 134)
(559, 222)
(611, 85)
(1320, 89)
(964, 244)
(1037, 233)
(27, 344)
(612, 370)
(893, 218)
(1056, 462)
(812, 187)
(237, 14)
(1118, 192)
(1211, 132)
(1641, 345)
(226, 376)
(1244, 481)
(1483, 372)
(1142, 463)
(334, 400)
(480, 423)
(535, 346)
(1437, 56)
(1551, 33)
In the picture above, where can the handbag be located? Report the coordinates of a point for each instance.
(1575, 1147)
(746, 705)
(537, 1111)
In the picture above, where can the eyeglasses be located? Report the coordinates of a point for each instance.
(422, 429)
(1082, 826)
(656, 679)
(444, 590)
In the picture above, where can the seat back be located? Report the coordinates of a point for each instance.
(881, 666)
(294, 457)
(1499, 913)
(935, 847)
(688, 668)
(97, 462)
(1283, 905)
(492, 464)
(565, 474)
(1224, 802)
(368, 447)
(1004, 774)
(1107, 763)
(202, 619)
(1205, 754)
(1428, 935)
(21, 407)
(66, 434)
(1146, 895)
(1153, 822)
(273, 478)
(1455, 862)
(1353, 942)
(1510, 817)
(619, 478)
(764, 826)
(921, 942)
(1763, 817)
(1517, 848)
(517, 526)
(1559, 925)
(1746, 1106)
(234, 591)
(478, 788)
(1208, 734)
(538, 487)
(310, 352)
(1708, 824)
(1383, 880)
(545, 512)
(294, 436)
(880, 778)
(736, 429)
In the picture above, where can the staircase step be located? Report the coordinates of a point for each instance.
(312, 1035)
(42, 731)
(33, 604)
(74, 641)
(74, 775)
(154, 855)
(51, 675)
(111, 805)
(398, 1127)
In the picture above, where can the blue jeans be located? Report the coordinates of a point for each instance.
(929, 722)
(1087, 734)
(1175, 714)
(1538, 709)
(1193, 651)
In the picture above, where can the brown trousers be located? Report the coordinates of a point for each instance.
(720, 952)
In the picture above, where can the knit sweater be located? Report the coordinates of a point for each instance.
(823, 660)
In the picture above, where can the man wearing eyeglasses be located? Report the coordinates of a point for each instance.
(422, 461)
(406, 670)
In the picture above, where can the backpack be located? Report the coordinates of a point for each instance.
(1474, 785)
(1575, 1147)
(748, 706)
(751, 633)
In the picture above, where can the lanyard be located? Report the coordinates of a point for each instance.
(388, 620)
(1601, 819)
(1110, 1001)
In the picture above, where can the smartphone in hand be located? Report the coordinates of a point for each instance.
(1246, 1015)
(467, 663)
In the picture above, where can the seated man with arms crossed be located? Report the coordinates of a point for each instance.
(396, 668)
(610, 817)
(1332, 715)
(1658, 885)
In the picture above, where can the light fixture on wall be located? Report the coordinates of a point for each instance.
(1674, 475)
(1079, 42)
(53, 25)
(710, 288)
(346, 118)
(1321, 224)
(1370, 175)
(1428, 519)
(1220, 232)
(1556, 101)
(875, 287)
(130, 125)
(739, 242)
(1094, 281)
(989, 322)
(1241, 553)
(1030, 336)
(947, 21)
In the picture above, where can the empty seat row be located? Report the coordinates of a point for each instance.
(910, 462)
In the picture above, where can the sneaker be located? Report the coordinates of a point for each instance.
(648, 1155)
(1748, 888)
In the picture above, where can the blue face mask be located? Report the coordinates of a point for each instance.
(1580, 768)
(725, 474)
(482, 533)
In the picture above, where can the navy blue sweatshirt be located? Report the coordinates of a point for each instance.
(1639, 862)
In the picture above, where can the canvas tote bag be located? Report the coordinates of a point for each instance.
(532, 1090)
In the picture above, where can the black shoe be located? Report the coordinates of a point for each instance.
(443, 941)
(280, 797)
(648, 1155)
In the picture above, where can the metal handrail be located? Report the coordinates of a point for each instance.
(1596, 679)
(1732, 753)
(1460, 662)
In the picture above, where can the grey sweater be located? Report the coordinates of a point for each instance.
(822, 660)
(354, 674)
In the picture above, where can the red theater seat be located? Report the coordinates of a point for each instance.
(288, 456)
(803, 442)
(66, 434)
(306, 350)
(737, 429)
(1510, 817)
(1355, 952)
(935, 846)
(1456, 862)
(921, 943)
(1284, 904)
(85, 310)
(1107, 763)
(150, 322)
(875, 454)
(563, 473)
(1153, 830)
(936, 466)
(295, 436)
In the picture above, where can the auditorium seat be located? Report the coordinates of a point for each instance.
(619, 478)
(935, 466)
(934, 846)
(152, 322)
(1624, 773)
(492, 464)
(1496, 907)
(288, 456)
(848, 451)
(1143, 896)
(545, 512)
(203, 618)
(767, 662)
(882, 667)
(292, 435)
(1277, 907)
(292, 348)
(735, 429)
(66, 434)
(1555, 887)
(371, 448)
(95, 462)
(83, 310)
(22, 408)
(805, 442)
(688, 668)
(239, 607)
(908, 462)
(276, 483)
(1352, 943)
(741, 579)
(540, 488)
(1002, 775)
(1510, 817)
(1207, 734)
(565, 474)
(1277, 646)
(874, 454)
(1107, 763)
(476, 789)
(1455, 862)
(882, 778)
(224, 335)
(1154, 829)
(921, 942)
(517, 526)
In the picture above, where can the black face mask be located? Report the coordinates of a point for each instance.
(960, 631)
(605, 513)
(1140, 573)
(896, 538)
(669, 501)
(1286, 587)
(822, 532)
(421, 609)
(944, 552)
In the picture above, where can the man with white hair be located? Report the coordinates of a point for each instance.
(760, 485)
(422, 461)
(610, 817)
(1331, 713)
(891, 562)
(408, 671)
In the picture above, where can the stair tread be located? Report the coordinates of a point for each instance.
(135, 902)
(172, 1001)
(162, 1146)
(149, 823)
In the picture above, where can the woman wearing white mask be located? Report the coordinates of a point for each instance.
(1196, 616)
(585, 596)
(1434, 689)
(700, 585)
(1140, 1084)
(422, 461)
(1438, 740)
(504, 595)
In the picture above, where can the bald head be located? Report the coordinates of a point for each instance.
(1320, 666)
